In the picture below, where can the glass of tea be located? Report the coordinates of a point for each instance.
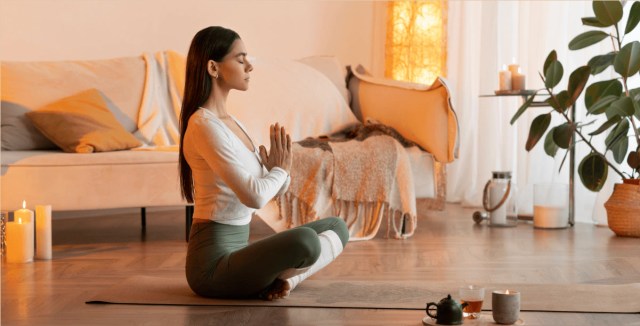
(473, 296)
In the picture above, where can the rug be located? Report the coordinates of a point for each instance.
(399, 295)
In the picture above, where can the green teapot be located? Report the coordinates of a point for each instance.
(448, 311)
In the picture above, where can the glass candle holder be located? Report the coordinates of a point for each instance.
(500, 200)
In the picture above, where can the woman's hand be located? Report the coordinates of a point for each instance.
(280, 151)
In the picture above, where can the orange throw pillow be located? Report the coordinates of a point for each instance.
(82, 123)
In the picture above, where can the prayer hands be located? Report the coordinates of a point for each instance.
(280, 151)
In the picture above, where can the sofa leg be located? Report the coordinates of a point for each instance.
(188, 221)
(143, 217)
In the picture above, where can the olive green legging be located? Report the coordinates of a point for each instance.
(222, 264)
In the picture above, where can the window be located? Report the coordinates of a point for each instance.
(416, 47)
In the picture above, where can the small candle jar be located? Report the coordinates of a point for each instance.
(505, 306)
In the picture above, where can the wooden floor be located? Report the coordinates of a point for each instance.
(93, 253)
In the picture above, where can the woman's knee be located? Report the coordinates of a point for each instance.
(305, 245)
(341, 229)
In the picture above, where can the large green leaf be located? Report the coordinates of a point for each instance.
(627, 62)
(592, 21)
(634, 17)
(635, 96)
(608, 12)
(602, 105)
(593, 170)
(523, 108)
(553, 74)
(611, 122)
(539, 126)
(600, 89)
(617, 133)
(550, 146)
(553, 56)
(586, 39)
(577, 80)
(619, 149)
(559, 101)
(563, 133)
(622, 107)
(600, 62)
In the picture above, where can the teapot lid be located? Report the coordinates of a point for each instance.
(448, 301)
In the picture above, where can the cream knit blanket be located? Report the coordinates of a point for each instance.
(363, 182)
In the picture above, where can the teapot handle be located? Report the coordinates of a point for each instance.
(429, 310)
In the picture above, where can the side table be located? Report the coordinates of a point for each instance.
(525, 95)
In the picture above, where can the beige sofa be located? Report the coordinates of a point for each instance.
(309, 96)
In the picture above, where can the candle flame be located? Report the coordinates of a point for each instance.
(24, 204)
(19, 220)
(507, 292)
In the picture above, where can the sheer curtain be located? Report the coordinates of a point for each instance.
(482, 36)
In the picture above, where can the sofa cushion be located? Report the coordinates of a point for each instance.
(82, 123)
(98, 181)
(18, 133)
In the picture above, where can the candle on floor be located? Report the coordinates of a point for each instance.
(43, 232)
(20, 236)
(505, 79)
(505, 306)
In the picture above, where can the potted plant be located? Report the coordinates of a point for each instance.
(612, 98)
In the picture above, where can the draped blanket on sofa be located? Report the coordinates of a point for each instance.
(364, 181)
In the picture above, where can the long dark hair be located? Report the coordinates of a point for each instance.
(211, 43)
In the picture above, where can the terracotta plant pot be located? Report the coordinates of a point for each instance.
(623, 208)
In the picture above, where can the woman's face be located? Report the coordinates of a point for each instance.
(233, 70)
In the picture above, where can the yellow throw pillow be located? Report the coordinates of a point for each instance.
(82, 123)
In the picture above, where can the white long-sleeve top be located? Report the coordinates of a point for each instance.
(230, 182)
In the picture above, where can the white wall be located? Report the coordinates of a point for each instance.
(97, 29)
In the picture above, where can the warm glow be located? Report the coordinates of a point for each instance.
(416, 40)
(24, 204)
(507, 292)
(19, 220)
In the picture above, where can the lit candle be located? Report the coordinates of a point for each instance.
(505, 79)
(505, 306)
(517, 81)
(514, 68)
(20, 236)
(43, 231)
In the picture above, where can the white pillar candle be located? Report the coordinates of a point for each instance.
(20, 236)
(505, 80)
(43, 232)
(517, 81)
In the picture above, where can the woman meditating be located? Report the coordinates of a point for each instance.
(228, 178)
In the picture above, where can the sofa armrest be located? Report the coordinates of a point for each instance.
(423, 114)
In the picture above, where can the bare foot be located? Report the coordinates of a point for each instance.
(278, 289)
